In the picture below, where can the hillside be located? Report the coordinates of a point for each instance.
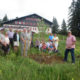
(14, 67)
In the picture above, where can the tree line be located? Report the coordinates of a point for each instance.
(74, 17)
(56, 28)
(5, 18)
(73, 20)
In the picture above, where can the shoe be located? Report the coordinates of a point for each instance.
(50, 51)
(73, 63)
(56, 51)
(64, 61)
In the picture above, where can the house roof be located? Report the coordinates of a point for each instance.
(38, 16)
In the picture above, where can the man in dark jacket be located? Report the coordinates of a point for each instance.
(16, 40)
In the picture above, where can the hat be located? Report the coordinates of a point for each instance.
(69, 31)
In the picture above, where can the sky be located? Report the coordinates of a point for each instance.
(45, 8)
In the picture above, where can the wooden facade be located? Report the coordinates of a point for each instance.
(30, 21)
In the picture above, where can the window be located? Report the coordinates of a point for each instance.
(15, 22)
(24, 23)
(19, 22)
(35, 28)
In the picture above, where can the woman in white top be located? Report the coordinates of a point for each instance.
(5, 44)
(56, 40)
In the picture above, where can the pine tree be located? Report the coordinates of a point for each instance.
(64, 27)
(74, 17)
(55, 26)
(0, 22)
(5, 18)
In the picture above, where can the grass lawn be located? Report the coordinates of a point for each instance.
(14, 67)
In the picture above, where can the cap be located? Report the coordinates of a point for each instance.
(69, 31)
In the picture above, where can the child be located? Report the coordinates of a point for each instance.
(37, 43)
(56, 40)
(44, 47)
(51, 48)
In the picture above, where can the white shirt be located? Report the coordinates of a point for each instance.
(48, 44)
(56, 40)
(2, 37)
(7, 40)
(29, 35)
(10, 34)
(40, 45)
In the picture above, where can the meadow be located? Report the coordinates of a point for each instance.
(15, 67)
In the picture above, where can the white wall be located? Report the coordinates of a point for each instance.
(34, 29)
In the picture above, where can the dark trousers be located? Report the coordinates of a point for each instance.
(5, 49)
(32, 45)
(11, 42)
(72, 54)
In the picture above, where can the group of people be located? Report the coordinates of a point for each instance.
(51, 45)
(7, 39)
(26, 40)
(13, 40)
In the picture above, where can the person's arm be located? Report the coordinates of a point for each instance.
(31, 36)
(19, 37)
(22, 38)
(49, 40)
(57, 39)
(3, 42)
(53, 39)
(13, 36)
(31, 40)
(0, 40)
(74, 41)
(48, 48)
(9, 40)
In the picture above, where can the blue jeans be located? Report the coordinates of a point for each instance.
(72, 54)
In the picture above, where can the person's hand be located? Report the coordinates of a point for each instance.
(73, 43)
(5, 44)
(24, 41)
(69, 47)
(53, 40)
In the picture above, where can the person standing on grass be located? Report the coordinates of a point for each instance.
(29, 38)
(32, 45)
(16, 40)
(10, 35)
(70, 46)
(24, 43)
(5, 44)
(51, 37)
(56, 40)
